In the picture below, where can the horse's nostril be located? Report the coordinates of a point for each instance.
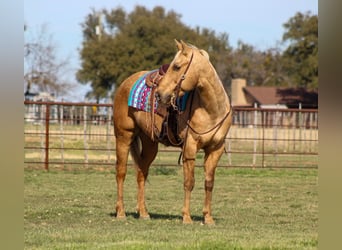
(157, 97)
(162, 98)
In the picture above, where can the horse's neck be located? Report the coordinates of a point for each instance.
(213, 97)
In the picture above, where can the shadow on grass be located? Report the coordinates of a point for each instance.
(157, 216)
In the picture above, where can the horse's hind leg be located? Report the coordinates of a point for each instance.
(148, 154)
(122, 148)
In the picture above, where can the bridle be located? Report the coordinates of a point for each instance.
(175, 94)
(173, 104)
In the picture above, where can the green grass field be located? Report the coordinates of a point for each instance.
(253, 209)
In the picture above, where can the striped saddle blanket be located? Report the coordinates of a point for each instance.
(140, 96)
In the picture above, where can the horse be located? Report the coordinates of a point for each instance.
(203, 124)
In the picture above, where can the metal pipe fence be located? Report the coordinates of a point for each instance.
(61, 134)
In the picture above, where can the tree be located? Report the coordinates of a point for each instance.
(301, 56)
(141, 40)
(296, 66)
(43, 71)
(257, 67)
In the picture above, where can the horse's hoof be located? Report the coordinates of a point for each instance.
(145, 217)
(187, 220)
(209, 221)
(121, 217)
(143, 214)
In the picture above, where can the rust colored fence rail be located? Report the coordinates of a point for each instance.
(81, 134)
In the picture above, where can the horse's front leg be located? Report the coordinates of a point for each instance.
(189, 155)
(189, 183)
(211, 160)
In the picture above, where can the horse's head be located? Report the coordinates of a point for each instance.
(183, 73)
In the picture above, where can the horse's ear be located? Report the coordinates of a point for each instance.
(185, 47)
(179, 45)
(204, 53)
(183, 43)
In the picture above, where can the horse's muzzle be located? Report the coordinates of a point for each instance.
(163, 98)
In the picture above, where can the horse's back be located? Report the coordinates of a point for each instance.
(123, 120)
(122, 93)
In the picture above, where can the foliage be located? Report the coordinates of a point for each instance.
(254, 209)
(301, 56)
(141, 40)
(297, 66)
(258, 67)
(117, 44)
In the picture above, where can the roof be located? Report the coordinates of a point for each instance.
(281, 95)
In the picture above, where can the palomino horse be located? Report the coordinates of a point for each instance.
(203, 124)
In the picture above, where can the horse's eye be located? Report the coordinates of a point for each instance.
(176, 67)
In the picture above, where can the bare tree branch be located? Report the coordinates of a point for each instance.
(43, 71)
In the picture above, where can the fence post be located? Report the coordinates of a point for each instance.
(300, 121)
(41, 119)
(229, 149)
(310, 127)
(108, 133)
(295, 130)
(85, 134)
(255, 133)
(61, 129)
(263, 138)
(275, 134)
(47, 118)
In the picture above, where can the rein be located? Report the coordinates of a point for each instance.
(217, 126)
(213, 128)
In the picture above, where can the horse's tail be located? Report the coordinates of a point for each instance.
(136, 150)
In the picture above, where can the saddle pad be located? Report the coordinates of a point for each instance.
(140, 96)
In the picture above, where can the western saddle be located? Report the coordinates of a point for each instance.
(153, 78)
(169, 131)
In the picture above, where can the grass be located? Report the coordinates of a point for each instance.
(253, 209)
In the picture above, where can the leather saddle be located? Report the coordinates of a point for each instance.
(169, 131)
(153, 78)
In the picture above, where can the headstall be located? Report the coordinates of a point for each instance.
(179, 85)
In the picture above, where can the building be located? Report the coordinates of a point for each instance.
(35, 112)
(272, 97)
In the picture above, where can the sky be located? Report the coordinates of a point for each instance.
(257, 23)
